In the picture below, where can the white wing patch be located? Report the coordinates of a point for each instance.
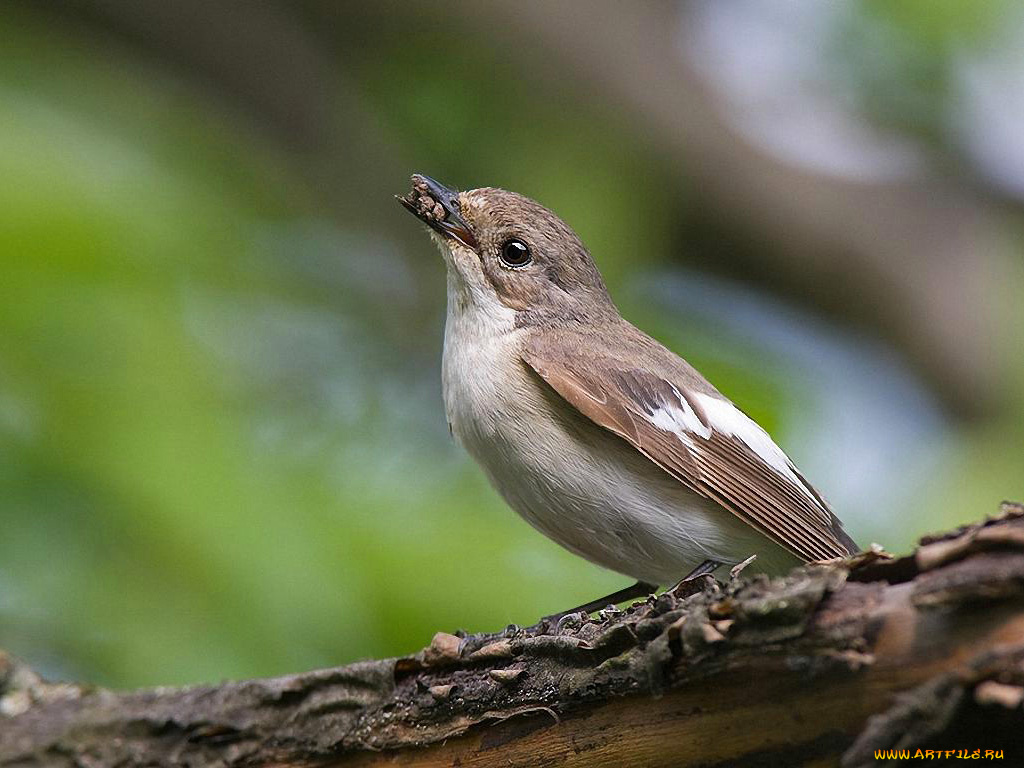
(680, 420)
(730, 420)
(726, 419)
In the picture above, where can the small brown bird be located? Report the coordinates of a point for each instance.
(599, 436)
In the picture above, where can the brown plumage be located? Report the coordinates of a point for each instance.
(720, 467)
(593, 431)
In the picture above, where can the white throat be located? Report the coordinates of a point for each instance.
(480, 352)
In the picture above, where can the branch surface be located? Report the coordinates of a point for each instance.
(827, 665)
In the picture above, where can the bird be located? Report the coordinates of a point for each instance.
(595, 433)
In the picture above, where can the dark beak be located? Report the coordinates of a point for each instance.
(438, 207)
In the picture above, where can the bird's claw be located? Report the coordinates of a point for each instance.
(570, 621)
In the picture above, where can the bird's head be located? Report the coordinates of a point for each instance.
(501, 246)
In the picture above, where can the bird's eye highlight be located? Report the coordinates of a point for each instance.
(515, 253)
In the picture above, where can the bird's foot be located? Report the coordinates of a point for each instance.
(694, 581)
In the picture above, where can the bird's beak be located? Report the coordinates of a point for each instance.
(438, 207)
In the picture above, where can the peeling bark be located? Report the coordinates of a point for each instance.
(825, 666)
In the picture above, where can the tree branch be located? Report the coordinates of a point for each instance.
(833, 661)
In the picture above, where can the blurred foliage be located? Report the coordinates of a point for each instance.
(901, 60)
(222, 445)
(170, 513)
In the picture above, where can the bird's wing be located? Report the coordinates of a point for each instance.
(700, 438)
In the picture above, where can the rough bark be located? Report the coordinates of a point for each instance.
(822, 667)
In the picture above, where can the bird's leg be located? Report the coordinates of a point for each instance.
(688, 585)
(557, 621)
(692, 582)
(640, 589)
(469, 643)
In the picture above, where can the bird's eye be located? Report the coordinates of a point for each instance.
(515, 253)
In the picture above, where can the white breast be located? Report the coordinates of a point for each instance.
(578, 484)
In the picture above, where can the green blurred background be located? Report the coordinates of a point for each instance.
(223, 451)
